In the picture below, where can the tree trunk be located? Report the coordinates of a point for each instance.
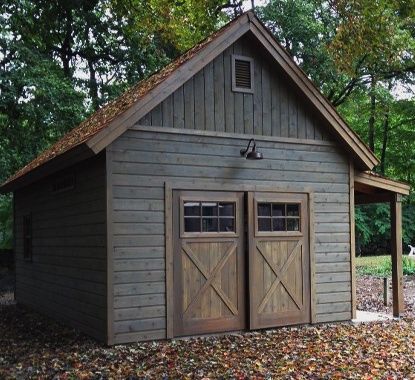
(385, 138)
(384, 141)
(93, 86)
(66, 51)
(372, 113)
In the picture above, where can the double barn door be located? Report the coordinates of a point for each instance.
(239, 261)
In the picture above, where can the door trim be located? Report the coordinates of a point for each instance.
(202, 185)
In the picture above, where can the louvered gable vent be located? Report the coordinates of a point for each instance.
(242, 74)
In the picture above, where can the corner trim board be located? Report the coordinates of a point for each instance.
(110, 249)
(352, 239)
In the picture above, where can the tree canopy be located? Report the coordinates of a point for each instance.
(60, 60)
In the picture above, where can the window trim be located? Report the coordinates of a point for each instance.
(209, 198)
(28, 237)
(235, 88)
(278, 233)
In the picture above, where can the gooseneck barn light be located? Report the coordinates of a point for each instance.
(253, 154)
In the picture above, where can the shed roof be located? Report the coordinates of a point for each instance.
(101, 128)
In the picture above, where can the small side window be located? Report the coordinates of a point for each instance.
(64, 184)
(27, 238)
(242, 74)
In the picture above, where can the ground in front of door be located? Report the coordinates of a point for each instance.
(35, 347)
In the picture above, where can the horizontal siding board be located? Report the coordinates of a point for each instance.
(139, 313)
(139, 325)
(132, 277)
(139, 288)
(332, 257)
(333, 287)
(138, 228)
(333, 267)
(333, 317)
(334, 307)
(139, 301)
(142, 252)
(139, 336)
(139, 264)
(332, 277)
(331, 297)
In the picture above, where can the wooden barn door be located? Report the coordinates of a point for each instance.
(279, 273)
(208, 268)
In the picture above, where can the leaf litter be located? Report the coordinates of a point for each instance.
(35, 347)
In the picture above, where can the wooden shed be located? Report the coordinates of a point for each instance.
(148, 222)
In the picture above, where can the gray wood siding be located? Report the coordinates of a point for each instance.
(207, 102)
(142, 161)
(67, 278)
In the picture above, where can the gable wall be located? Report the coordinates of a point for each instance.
(142, 161)
(67, 278)
(207, 102)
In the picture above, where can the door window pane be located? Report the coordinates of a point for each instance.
(293, 224)
(264, 209)
(293, 210)
(209, 209)
(226, 209)
(227, 225)
(192, 224)
(278, 209)
(264, 224)
(191, 208)
(209, 225)
(278, 224)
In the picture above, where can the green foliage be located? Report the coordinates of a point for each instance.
(6, 222)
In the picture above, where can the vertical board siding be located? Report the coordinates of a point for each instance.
(144, 161)
(207, 102)
(66, 279)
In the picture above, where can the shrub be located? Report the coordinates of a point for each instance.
(408, 266)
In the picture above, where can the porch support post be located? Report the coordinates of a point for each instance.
(396, 247)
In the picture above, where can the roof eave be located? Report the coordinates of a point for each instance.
(77, 154)
(382, 183)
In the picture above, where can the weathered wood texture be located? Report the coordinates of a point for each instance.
(144, 161)
(207, 102)
(67, 276)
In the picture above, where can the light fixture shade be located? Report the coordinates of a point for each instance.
(254, 155)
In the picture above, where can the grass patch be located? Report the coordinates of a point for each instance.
(381, 266)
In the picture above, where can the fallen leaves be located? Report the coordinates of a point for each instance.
(33, 347)
(337, 351)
